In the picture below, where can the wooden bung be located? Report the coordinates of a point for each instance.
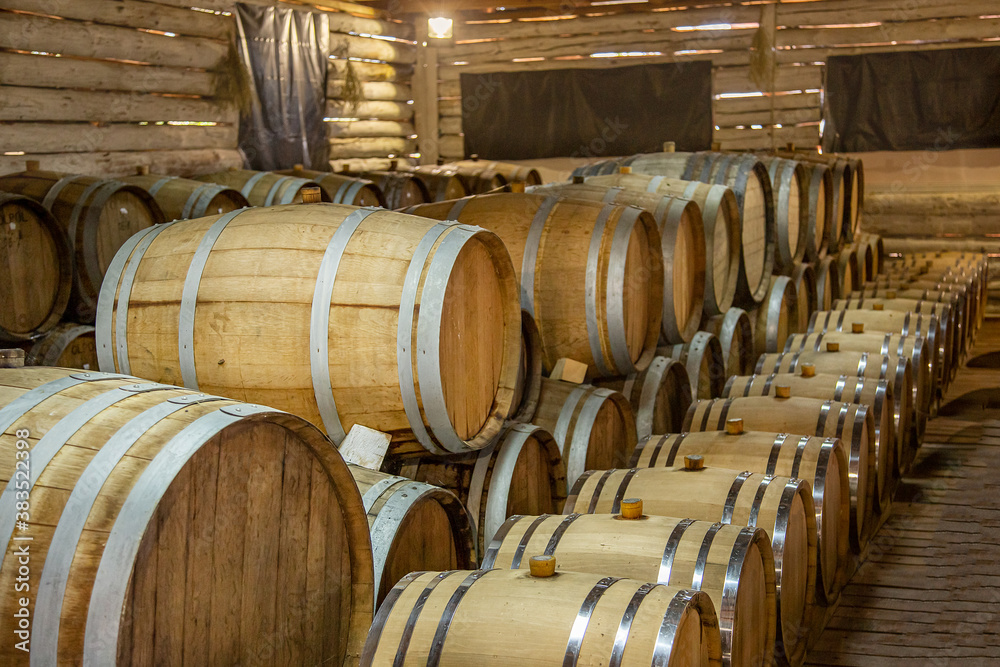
(142, 170)
(694, 462)
(517, 186)
(734, 426)
(632, 508)
(857, 327)
(783, 391)
(833, 347)
(542, 566)
(669, 146)
(311, 194)
(624, 170)
(577, 180)
(808, 370)
(878, 306)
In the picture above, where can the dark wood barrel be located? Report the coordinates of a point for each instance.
(827, 281)
(399, 189)
(442, 182)
(36, 262)
(529, 371)
(777, 317)
(820, 210)
(789, 183)
(704, 361)
(67, 345)
(735, 333)
(660, 395)
(342, 189)
(183, 198)
(804, 277)
(514, 173)
(264, 188)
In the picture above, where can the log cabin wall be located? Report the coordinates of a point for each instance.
(104, 86)
(804, 32)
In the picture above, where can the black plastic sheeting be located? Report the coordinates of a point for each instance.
(286, 52)
(587, 112)
(927, 100)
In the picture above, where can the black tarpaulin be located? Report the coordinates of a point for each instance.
(926, 100)
(286, 52)
(587, 112)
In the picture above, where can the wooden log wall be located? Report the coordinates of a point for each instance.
(805, 33)
(103, 86)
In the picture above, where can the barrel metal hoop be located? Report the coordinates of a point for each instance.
(610, 194)
(824, 412)
(734, 491)
(731, 587)
(791, 488)
(559, 532)
(532, 245)
(319, 322)
(575, 452)
(411, 620)
(724, 413)
(772, 459)
(189, 298)
(338, 197)
(251, 182)
(602, 480)
(838, 389)
(863, 363)
(615, 294)
(800, 449)
(456, 208)
(441, 634)
(353, 189)
(672, 455)
(392, 513)
(57, 187)
(579, 628)
(622, 489)
(668, 628)
(153, 189)
(111, 583)
(101, 191)
(566, 415)
(859, 389)
(593, 292)
(670, 550)
(507, 452)
(522, 545)
(654, 183)
(377, 489)
(768, 381)
(625, 625)
(703, 551)
(378, 625)
(285, 181)
(758, 499)
(774, 308)
(648, 394)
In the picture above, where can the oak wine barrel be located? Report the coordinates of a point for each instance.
(827, 282)
(660, 395)
(791, 209)
(594, 427)
(704, 361)
(264, 188)
(314, 308)
(734, 565)
(735, 333)
(250, 508)
(399, 189)
(514, 173)
(851, 423)
(340, 188)
(529, 371)
(36, 265)
(781, 506)
(777, 317)
(823, 462)
(413, 526)
(848, 270)
(97, 215)
(807, 296)
(183, 198)
(498, 618)
(443, 182)
(591, 274)
(820, 210)
(68, 345)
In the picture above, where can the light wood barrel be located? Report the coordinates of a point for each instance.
(514, 173)
(823, 462)
(241, 305)
(851, 423)
(660, 395)
(183, 198)
(682, 244)
(857, 197)
(791, 210)
(595, 427)
(807, 296)
(591, 274)
(97, 215)
(914, 348)
(235, 526)
(264, 188)
(342, 189)
(721, 222)
(529, 371)
(734, 565)
(876, 394)
(523, 473)
(957, 302)
(895, 370)
(848, 270)
(735, 333)
(866, 261)
(442, 182)
(705, 364)
(777, 317)
(36, 264)
(479, 178)
(413, 526)
(68, 345)
(820, 210)
(827, 282)
(907, 324)
(400, 190)
(498, 618)
(781, 506)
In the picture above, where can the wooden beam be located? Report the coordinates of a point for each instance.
(371, 71)
(372, 90)
(369, 128)
(375, 110)
(85, 138)
(40, 104)
(132, 14)
(425, 96)
(124, 163)
(370, 147)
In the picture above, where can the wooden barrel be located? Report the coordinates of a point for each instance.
(823, 462)
(876, 394)
(827, 282)
(914, 348)
(442, 182)
(851, 423)
(523, 473)
(514, 173)
(37, 271)
(735, 333)
(791, 210)
(597, 298)
(906, 324)
(720, 220)
(777, 317)
(413, 526)
(682, 245)
(67, 345)
(857, 197)
(781, 506)
(529, 371)
(400, 190)
(959, 304)
(659, 396)
(479, 178)
(251, 507)
(848, 270)
(705, 364)
(734, 565)
(240, 305)
(807, 296)
(897, 371)
(820, 210)
(97, 215)
(264, 188)
(498, 618)
(595, 427)
(342, 189)
(866, 261)
(949, 347)
(183, 198)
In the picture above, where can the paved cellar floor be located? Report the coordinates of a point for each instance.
(929, 591)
